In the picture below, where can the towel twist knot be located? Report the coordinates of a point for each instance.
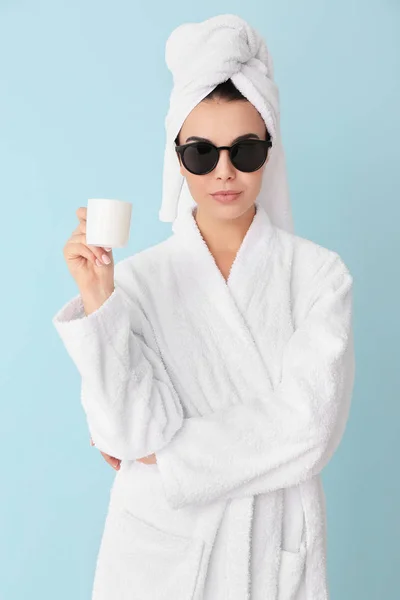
(215, 47)
(202, 55)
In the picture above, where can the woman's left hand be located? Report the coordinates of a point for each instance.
(111, 460)
(115, 462)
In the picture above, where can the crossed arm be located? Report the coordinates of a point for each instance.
(255, 447)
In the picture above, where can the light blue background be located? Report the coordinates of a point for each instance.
(84, 90)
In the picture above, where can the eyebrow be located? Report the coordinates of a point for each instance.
(246, 136)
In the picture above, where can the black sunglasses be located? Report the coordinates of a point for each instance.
(202, 157)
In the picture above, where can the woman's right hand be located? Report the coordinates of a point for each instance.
(81, 260)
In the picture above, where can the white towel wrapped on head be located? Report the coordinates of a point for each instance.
(200, 56)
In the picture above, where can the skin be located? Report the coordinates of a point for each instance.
(223, 227)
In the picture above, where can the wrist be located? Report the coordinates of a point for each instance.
(93, 299)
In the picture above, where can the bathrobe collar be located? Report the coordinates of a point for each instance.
(253, 252)
(257, 280)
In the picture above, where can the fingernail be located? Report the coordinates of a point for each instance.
(106, 259)
(108, 249)
(98, 263)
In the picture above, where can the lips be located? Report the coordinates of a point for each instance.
(226, 197)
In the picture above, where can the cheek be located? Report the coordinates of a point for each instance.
(197, 185)
(252, 181)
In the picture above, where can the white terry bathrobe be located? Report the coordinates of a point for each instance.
(241, 388)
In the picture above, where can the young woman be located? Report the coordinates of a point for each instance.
(217, 371)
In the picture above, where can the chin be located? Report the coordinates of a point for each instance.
(232, 210)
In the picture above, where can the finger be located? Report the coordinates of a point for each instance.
(81, 213)
(98, 251)
(78, 249)
(81, 229)
(114, 462)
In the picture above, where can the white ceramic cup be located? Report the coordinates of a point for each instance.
(108, 222)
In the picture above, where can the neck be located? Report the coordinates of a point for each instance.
(224, 235)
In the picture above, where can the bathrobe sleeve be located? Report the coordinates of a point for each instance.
(131, 407)
(289, 435)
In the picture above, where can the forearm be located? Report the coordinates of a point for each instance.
(288, 435)
(131, 406)
(251, 449)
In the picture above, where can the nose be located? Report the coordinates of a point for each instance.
(224, 167)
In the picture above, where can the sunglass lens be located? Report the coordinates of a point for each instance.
(199, 158)
(249, 156)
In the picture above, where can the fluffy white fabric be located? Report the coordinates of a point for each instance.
(241, 388)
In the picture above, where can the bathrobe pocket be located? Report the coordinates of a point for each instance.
(137, 560)
(290, 572)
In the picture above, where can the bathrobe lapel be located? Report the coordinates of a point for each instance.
(253, 306)
(250, 312)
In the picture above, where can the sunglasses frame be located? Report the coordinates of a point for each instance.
(181, 148)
